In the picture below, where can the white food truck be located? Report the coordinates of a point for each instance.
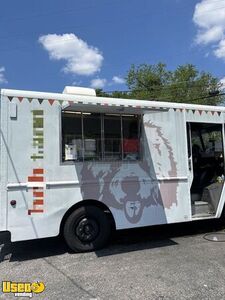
(81, 165)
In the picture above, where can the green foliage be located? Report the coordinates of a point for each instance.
(185, 84)
(115, 94)
(147, 81)
(101, 93)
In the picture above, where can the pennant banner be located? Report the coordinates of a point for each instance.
(179, 109)
(70, 102)
(20, 99)
(51, 101)
(61, 102)
(40, 100)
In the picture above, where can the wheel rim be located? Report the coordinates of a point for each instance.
(87, 229)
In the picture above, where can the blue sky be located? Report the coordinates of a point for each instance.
(45, 45)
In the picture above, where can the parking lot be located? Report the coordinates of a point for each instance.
(165, 262)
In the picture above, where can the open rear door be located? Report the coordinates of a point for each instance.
(206, 167)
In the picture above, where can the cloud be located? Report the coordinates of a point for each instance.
(98, 83)
(81, 58)
(118, 80)
(77, 83)
(222, 83)
(2, 75)
(220, 51)
(209, 17)
(211, 35)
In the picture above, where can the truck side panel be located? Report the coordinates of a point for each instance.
(34, 147)
(153, 190)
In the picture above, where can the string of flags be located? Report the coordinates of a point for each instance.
(66, 102)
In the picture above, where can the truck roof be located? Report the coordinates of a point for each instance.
(132, 105)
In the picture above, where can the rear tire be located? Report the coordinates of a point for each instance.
(87, 229)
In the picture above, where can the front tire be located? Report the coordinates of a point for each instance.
(87, 229)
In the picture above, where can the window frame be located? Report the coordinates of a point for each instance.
(102, 160)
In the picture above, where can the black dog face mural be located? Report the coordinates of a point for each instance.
(132, 186)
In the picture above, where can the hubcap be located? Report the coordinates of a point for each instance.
(87, 230)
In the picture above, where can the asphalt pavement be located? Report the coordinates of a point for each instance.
(162, 262)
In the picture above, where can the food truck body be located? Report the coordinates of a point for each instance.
(82, 165)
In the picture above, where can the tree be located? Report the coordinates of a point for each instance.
(185, 84)
(114, 94)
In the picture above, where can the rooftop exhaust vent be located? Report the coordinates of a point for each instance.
(80, 91)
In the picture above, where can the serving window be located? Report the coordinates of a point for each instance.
(100, 137)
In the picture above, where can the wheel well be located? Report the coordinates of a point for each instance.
(85, 203)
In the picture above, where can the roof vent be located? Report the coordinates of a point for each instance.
(81, 91)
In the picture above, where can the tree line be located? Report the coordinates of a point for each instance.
(185, 84)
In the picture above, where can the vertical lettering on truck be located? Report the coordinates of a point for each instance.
(37, 178)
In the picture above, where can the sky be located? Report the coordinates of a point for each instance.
(46, 45)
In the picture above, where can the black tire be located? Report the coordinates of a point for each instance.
(87, 229)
